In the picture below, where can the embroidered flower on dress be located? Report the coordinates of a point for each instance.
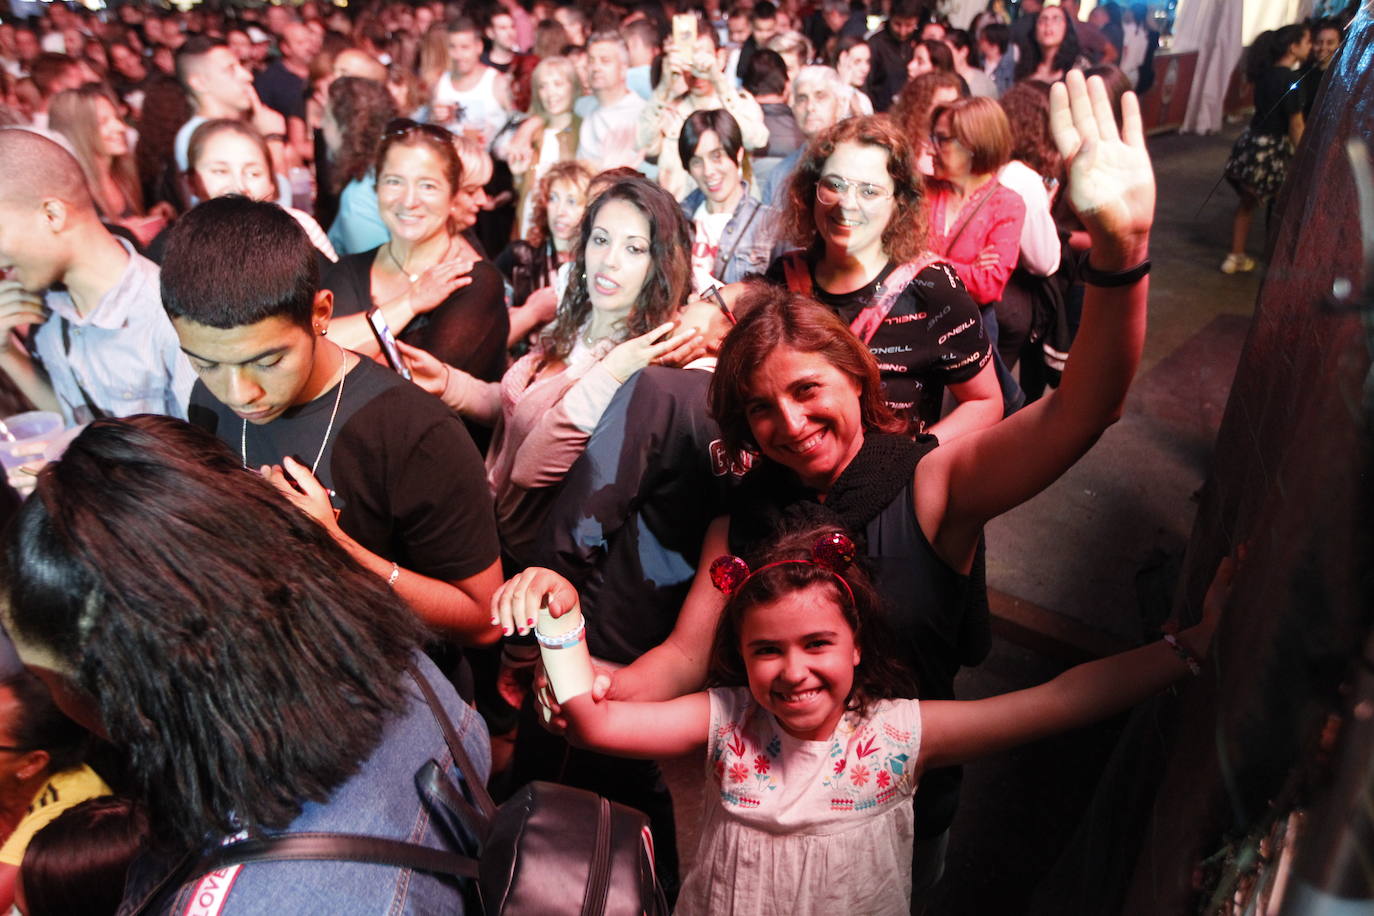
(761, 764)
(883, 779)
(738, 772)
(859, 774)
(839, 766)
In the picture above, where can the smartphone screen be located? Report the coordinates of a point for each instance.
(684, 29)
(382, 331)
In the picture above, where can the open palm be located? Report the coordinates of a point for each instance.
(1111, 183)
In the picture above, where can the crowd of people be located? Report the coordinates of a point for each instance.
(402, 336)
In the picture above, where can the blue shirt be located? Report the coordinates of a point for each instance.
(359, 226)
(380, 799)
(125, 353)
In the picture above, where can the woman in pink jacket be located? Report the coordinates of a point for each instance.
(975, 221)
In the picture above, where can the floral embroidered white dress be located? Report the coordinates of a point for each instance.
(795, 827)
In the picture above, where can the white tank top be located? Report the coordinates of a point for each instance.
(476, 107)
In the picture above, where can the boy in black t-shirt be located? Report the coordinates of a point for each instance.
(386, 468)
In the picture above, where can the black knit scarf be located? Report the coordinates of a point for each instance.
(771, 501)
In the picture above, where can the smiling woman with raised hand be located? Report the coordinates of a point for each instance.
(854, 211)
(436, 292)
(792, 384)
(630, 274)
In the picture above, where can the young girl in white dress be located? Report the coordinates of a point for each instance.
(810, 762)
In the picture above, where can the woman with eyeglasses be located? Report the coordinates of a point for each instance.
(434, 288)
(974, 221)
(854, 210)
(793, 386)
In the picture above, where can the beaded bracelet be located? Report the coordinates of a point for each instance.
(1183, 652)
(563, 640)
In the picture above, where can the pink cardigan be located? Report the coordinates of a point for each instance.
(992, 215)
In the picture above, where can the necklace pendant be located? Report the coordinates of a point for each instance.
(414, 278)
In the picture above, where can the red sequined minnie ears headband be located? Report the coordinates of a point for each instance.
(833, 552)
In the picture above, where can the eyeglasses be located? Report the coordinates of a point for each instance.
(15, 750)
(939, 140)
(832, 189)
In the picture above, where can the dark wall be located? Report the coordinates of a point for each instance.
(1206, 772)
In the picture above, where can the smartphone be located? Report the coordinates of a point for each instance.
(382, 331)
(684, 30)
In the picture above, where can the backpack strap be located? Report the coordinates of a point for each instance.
(796, 273)
(347, 847)
(871, 316)
(481, 798)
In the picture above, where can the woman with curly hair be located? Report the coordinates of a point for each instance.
(1052, 49)
(165, 109)
(854, 210)
(358, 109)
(631, 272)
(914, 105)
(531, 264)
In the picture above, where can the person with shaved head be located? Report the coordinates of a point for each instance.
(100, 343)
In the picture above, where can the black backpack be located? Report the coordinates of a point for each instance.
(536, 850)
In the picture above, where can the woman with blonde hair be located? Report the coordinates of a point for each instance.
(548, 136)
(89, 118)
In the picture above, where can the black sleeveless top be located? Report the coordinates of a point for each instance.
(938, 616)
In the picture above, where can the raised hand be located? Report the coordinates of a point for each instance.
(634, 354)
(1111, 183)
(440, 281)
(19, 307)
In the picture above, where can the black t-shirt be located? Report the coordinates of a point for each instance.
(933, 336)
(1275, 104)
(281, 90)
(407, 480)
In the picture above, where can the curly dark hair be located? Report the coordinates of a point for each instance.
(360, 108)
(1027, 105)
(911, 111)
(905, 235)
(571, 170)
(242, 659)
(665, 289)
(165, 109)
(877, 676)
(1032, 54)
(771, 317)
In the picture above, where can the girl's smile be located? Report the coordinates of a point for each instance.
(800, 654)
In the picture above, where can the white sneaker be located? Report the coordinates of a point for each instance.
(1237, 264)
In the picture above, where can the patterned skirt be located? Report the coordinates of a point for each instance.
(1259, 163)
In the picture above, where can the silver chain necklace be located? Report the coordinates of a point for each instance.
(338, 397)
(414, 278)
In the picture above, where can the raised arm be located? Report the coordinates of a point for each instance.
(955, 731)
(964, 484)
(656, 729)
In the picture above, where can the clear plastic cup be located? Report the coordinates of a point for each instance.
(24, 437)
